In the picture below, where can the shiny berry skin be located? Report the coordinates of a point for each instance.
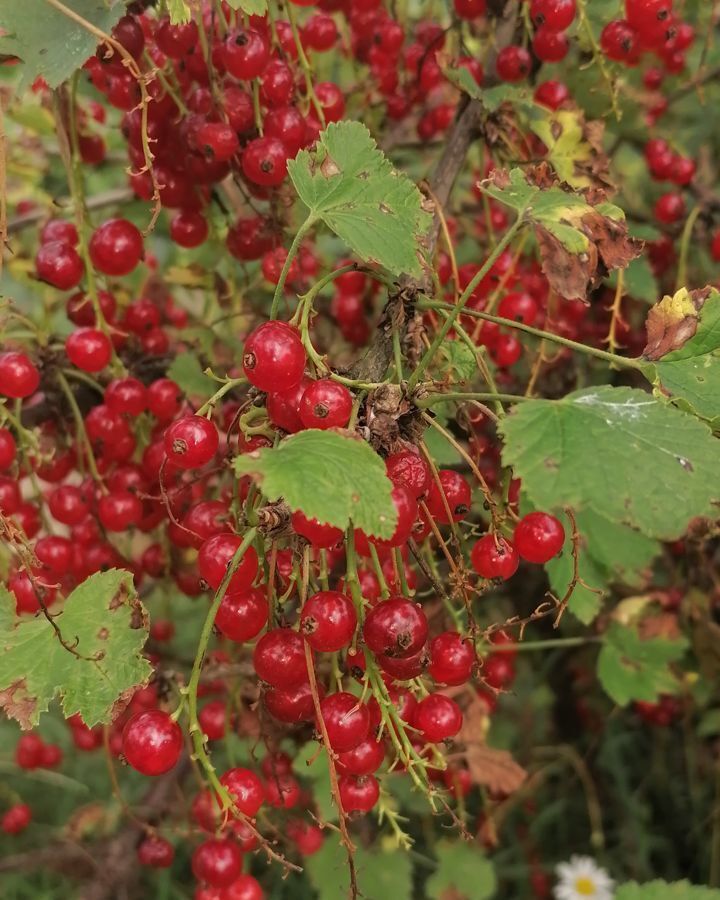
(618, 41)
(68, 504)
(126, 395)
(409, 469)
(16, 819)
(538, 537)
(18, 376)
(189, 228)
(118, 510)
(326, 404)
(10, 497)
(176, 41)
(364, 759)
(292, 705)
(513, 63)
(8, 449)
(59, 230)
(287, 125)
(245, 887)
(191, 442)
(80, 310)
(264, 161)
(331, 99)
(274, 357)
(155, 852)
(551, 94)
(498, 670)
(396, 627)
(215, 557)
(549, 45)
(670, 208)
(89, 349)
(245, 54)
(346, 719)
(242, 616)
(320, 33)
(245, 788)
(457, 494)
(406, 511)
(163, 399)
(217, 140)
(218, 862)
(317, 533)
(213, 720)
(554, 14)
(437, 717)
(494, 557)
(358, 794)
(452, 658)
(152, 742)
(283, 407)
(59, 264)
(55, 553)
(307, 837)
(328, 621)
(648, 14)
(279, 658)
(116, 247)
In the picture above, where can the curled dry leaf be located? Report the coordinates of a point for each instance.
(673, 321)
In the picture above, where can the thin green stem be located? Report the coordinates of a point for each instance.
(459, 396)
(685, 247)
(464, 297)
(81, 432)
(292, 253)
(550, 644)
(585, 349)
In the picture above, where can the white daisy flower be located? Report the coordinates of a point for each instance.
(583, 879)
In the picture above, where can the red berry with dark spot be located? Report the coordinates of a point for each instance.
(494, 557)
(396, 627)
(455, 498)
(326, 404)
(358, 794)
(328, 620)
(191, 442)
(274, 357)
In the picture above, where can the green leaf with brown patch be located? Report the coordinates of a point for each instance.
(684, 348)
(348, 183)
(103, 626)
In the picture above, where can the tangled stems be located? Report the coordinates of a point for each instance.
(611, 358)
(464, 297)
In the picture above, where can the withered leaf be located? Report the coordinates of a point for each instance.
(673, 321)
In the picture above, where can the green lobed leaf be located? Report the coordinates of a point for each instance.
(610, 553)
(50, 44)
(353, 187)
(331, 477)
(458, 361)
(630, 668)
(186, 371)
(105, 623)
(463, 871)
(665, 890)
(690, 374)
(619, 452)
(379, 875)
(249, 7)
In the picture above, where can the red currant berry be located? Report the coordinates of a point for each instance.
(59, 264)
(245, 887)
(409, 469)
(513, 63)
(452, 658)
(279, 659)
(126, 395)
(538, 537)
(116, 247)
(217, 862)
(245, 54)
(358, 794)
(328, 620)
(191, 442)
(89, 349)
(292, 705)
(242, 616)
(437, 717)
(264, 161)
(189, 228)
(396, 627)
(155, 852)
(118, 510)
(494, 557)
(326, 404)
(8, 449)
(456, 497)
(364, 759)
(274, 357)
(16, 819)
(215, 557)
(245, 788)
(18, 376)
(555, 14)
(152, 742)
(317, 533)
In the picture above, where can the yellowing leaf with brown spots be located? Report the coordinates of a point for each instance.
(105, 627)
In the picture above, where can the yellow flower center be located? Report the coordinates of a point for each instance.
(585, 887)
